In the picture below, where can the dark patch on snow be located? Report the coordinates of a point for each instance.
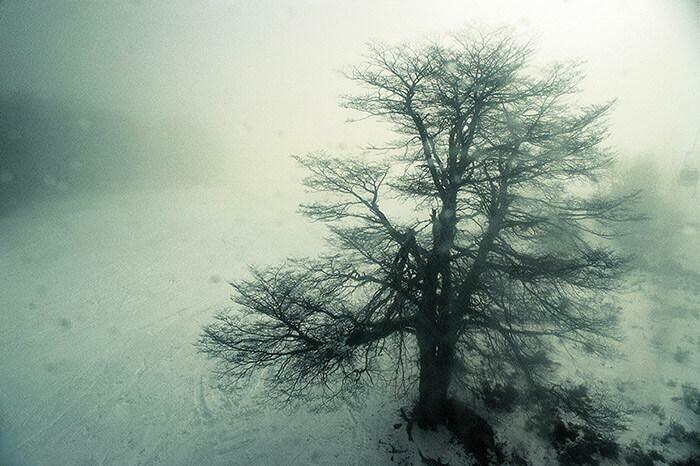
(65, 323)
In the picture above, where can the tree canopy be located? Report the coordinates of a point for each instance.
(465, 254)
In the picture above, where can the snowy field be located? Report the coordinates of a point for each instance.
(102, 300)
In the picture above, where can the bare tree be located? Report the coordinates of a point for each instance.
(494, 254)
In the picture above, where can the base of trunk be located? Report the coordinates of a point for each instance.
(474, 433)
(429, 415)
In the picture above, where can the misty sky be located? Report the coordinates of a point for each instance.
(263, 76)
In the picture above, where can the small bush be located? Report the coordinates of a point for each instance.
(580, 445)
(658, 410)
(578, 425)
(474, 433)
(636, 456)
(692, 460)
(681, 356)
(691, 398)
(500, 397)
(678, 432)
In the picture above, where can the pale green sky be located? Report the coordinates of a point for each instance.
(262, 76)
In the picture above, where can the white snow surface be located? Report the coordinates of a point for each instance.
(103, 298)
(102, 302)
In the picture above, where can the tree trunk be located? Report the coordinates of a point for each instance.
(434, 381)
(434, 332)
(435, 408)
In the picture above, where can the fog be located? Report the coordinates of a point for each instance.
(250, 83)
(145, 160)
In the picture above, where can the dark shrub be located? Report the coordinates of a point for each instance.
(474, 433)
(500, 397)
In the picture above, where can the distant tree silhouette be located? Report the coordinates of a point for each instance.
(51, 147)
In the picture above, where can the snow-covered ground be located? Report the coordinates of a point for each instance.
(102, 301)
(103, 298)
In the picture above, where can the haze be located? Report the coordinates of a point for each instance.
(262, 79)
(145, 161)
